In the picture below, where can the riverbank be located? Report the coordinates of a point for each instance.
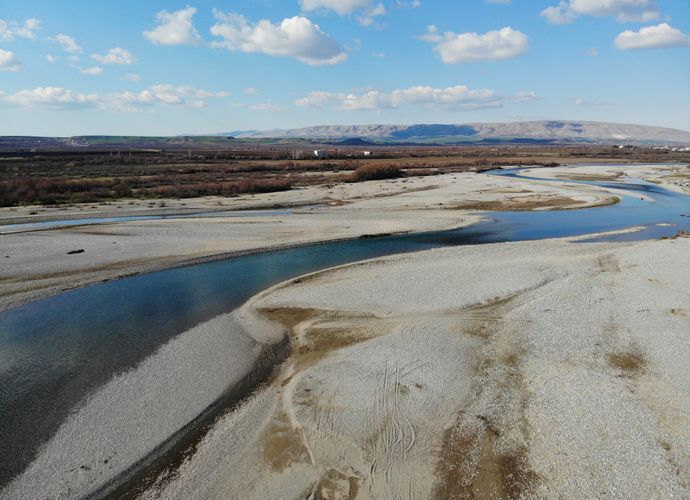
(522, 369)
(675, 177)
(40, 263)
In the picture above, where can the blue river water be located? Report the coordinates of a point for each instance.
(56, 351)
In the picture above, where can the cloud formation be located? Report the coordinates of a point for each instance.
(341, 7)
(587, 102)
(11, 30)
(94, 71)
(117, 55)
(652, 37)
(68, 43)
(623, 10)
(295, 37)
(457, 98)
(9, 62)
(454, 48)
(58, 98)
(174, 28)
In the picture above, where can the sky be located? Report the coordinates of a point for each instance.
(132, 67)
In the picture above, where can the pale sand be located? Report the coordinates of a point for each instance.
(537, 369)
(675, 177)
(349, 399)
(36, 264)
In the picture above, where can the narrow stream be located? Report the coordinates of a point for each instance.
(57, 351)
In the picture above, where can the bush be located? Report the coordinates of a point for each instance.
(375, 172)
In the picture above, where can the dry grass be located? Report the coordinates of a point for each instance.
(630, 363)
(59, 177)
(374, 172)
(472, 468)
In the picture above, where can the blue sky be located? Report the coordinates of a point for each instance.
(163, 68)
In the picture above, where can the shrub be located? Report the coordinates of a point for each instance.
(375, 172)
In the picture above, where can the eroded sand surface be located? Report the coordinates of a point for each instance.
(35, 264)
(539, 369)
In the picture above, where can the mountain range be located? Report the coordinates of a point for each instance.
(556, 132)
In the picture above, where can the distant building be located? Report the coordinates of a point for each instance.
(366, 153)
(319, 153)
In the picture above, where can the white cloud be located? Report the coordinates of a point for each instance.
(652, 37)
(592, 52)
(368, 18)
(10, 30)
(51, 98)
(432, 35)
(174, 28)
(524, 96)
(294, 37)
(130, 77)
(458, 98)
(51, 58)
(158, 95)
(453, 48)
(586, 102)
(95, 71)
(266, 106)
(342, 7)
(368, 9)
(623, 10)
(559, 14)
(117, 55)
(180, 95)
(251, 91)
(68, 43)
(9, 62)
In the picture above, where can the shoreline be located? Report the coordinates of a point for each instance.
(152, 268)
(404, 210)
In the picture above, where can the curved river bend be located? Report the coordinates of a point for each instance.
(56, 352)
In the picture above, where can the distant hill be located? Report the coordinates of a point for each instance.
(354, 141)
(534, 132)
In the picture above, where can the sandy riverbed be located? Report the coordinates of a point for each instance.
(543, 369)
(36, 264)
(538, 368)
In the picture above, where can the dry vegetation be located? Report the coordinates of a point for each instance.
(375, 172)
(86, 176)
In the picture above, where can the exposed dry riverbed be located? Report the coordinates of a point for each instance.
(466, 371)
